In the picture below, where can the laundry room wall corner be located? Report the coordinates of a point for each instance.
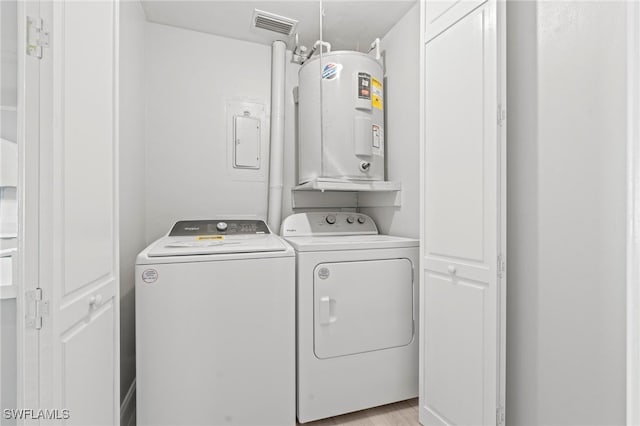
(290, 137)
(402, 65)
(132, 178)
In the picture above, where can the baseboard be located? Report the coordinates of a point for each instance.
(128, 407)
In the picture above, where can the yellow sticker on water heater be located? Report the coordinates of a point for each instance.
(376, 95)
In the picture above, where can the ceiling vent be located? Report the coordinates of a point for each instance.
(272, 22)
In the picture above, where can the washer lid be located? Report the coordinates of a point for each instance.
(215, 244)
(350, 242)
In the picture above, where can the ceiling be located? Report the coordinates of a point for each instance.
(351, 25)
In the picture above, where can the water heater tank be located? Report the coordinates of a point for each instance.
(341, 118)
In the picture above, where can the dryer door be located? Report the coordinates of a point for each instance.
(362, 306)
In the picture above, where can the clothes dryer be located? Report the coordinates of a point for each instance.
(357, 314)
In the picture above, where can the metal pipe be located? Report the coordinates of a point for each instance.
(376, 45)
(315, 47)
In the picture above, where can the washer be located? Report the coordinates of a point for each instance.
(215, 326)
(357, 315)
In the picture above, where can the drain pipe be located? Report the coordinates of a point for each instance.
(276, 158)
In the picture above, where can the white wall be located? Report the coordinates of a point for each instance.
(187, 89)
(132, 176)
(290, 176)
(402, 75)
(566, 223)
(190, 77)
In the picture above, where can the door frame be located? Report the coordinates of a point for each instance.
(28, 258)
(633, 214)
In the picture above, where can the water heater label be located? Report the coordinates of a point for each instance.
(331, 71)
(376, 97)
(364, 85)
(378, 140)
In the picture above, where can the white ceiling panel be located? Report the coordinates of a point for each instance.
(351, 25)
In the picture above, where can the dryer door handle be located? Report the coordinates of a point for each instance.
(327, 310)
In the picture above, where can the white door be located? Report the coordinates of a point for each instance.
(463, 222)
(78, 371)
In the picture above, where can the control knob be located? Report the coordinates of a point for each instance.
(221, 226)
(331, 219)
(361, 220)
(350, 219)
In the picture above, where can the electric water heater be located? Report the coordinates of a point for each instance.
(341, 118)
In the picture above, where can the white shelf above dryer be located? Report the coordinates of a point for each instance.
(326, 184)
(335, 193)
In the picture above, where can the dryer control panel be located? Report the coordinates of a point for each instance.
(331, 223)
(218, 227)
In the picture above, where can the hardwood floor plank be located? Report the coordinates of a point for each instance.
(404, 416)
(403, 413)
(414, 404)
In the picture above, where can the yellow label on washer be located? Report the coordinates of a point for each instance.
(210, 237)
(376, 95)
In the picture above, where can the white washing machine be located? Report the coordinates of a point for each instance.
(357, 298)
(215, 326)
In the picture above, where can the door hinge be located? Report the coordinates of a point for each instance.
(502, 115)
(500, 266)
(36, 308)
(500, 416)
(37, 37)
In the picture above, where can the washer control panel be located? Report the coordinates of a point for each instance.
(218, 227)
(331, 223)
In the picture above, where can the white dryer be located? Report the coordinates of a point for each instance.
(357, 299)
(215, 326)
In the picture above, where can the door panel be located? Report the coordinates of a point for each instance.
(462, 293)
(455, 388)
(362, 306)
(85, 48)
(456, 224)
(86, 362)
(78, 215)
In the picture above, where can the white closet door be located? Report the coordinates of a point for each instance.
(79, 368)
(463, 202)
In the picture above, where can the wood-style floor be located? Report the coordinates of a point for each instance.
(404, 413)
